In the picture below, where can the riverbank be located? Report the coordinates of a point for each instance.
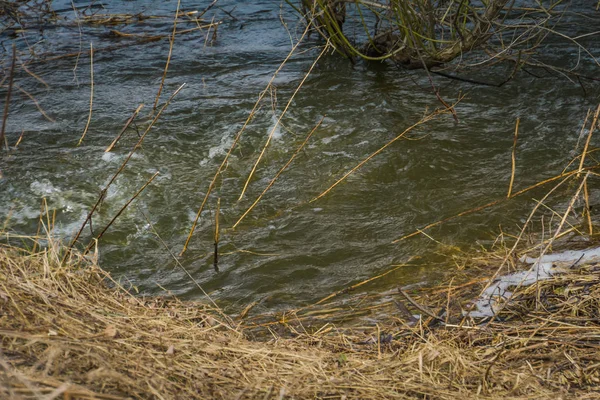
(69, 331)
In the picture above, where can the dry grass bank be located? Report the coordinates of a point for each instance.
(68, 334)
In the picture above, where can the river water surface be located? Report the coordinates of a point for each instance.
(288, 251)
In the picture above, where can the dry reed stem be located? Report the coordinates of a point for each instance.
(216, 236)
(521, 234)
(589, 137)
(558, 230)
(276, 125)
(513, 159)
(566, 214)
(350, 288)
(281, 170)
(87, 125)
(129, 121)
(549, 242)
(236, 140)
(171, 43)
(588, 209)
(226, 318)
(8, 95)
(585, 121)
(36, 103)
(33, 75)
(423, 120)
(158, 37)
(20, 138)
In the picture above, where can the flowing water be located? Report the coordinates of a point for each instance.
(288, 251)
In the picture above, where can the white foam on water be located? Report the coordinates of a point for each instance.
(277, 135)
(542, 268)
(107, 157)
(329, 139)
(43, 187)
(218, 150)
(338, 153)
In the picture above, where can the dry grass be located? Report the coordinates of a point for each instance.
(69, 331)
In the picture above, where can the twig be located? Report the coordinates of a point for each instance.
(87, 125)
(216, 250)
(8, 94)
(129, 121)
(419, 307)
(589, 138)
(514, 162)
(171, 43)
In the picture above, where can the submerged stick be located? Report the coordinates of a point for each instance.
(216, 250)
(513, 159)
(589, 138)
(35, 102)
(237, 139)
(8, 94)
(87, 125)
(281, 170)
(588, 209)
(129, 121)
(171, 43)
(420, 307)
(287, 106)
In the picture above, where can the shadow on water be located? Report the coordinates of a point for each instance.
(287, 251)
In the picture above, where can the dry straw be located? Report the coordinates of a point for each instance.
(71, 332)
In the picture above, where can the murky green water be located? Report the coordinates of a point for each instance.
(287, 251)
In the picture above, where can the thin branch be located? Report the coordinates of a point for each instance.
(8, 95)
(129, 121)
(87, 125)
(513, 159)
(171, 43)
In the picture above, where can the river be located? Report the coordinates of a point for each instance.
(288, 251)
